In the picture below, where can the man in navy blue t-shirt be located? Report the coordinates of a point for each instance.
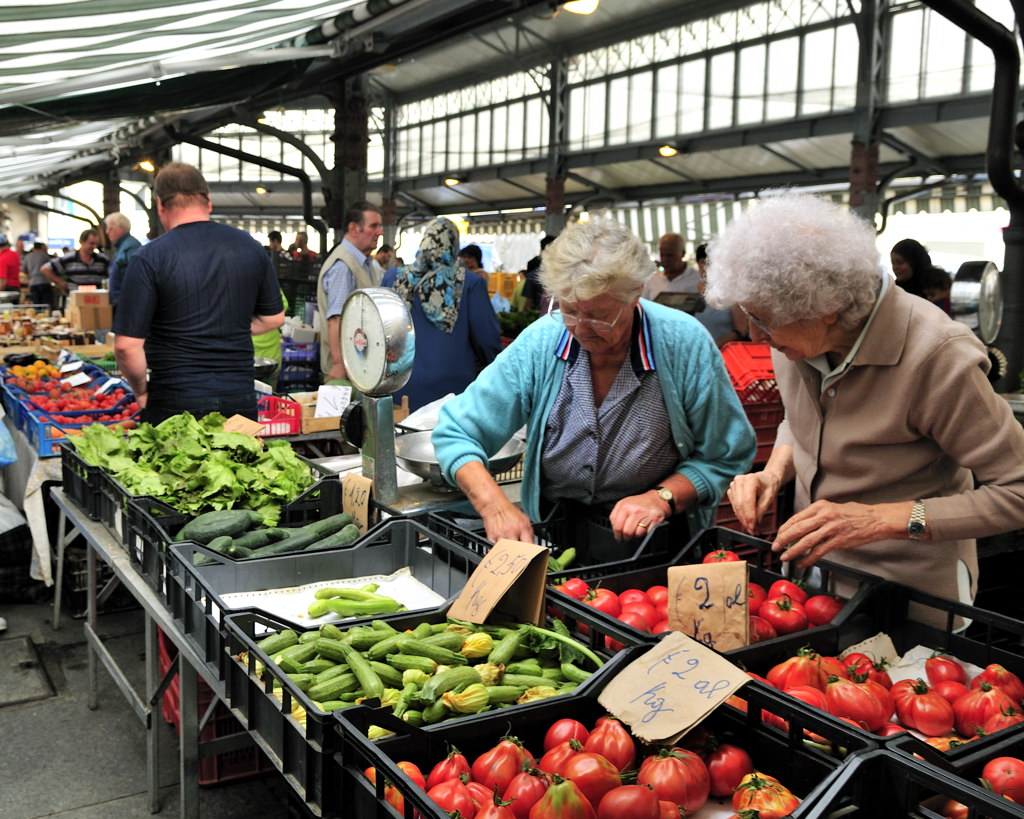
(191, 301)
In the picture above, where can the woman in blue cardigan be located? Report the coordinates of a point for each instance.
(627, 404)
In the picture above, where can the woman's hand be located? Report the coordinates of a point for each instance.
(825, 527)
(501, 517)
(751, 496)
(507, 521)
(636, 515)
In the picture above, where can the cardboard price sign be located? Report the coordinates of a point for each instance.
(708, 601)
(510, 580)
(356, 494)
(239, 423)
(669, 689)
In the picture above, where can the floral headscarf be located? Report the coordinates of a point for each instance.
(435, 277)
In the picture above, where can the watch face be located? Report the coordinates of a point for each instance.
(666, 494)
(363, 342)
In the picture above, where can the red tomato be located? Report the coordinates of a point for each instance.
(951, 809)
(1001, 678)
(761, 629)
(630, 618)
(604, 600)
(1005, 776)
(862, 665)
(593, 774)
(803, 669)
(574, 587)
(611, 740)
(809, 694)
(563, 800)
(563, 730)
(950, 690)
(794, 590)
(975, 708)
(784, 613)
(866, 703)
(496, 767)
(669, 810)
(645, 610)
(524, 791)
(661, 627)
(677, 775)
(633, 596)
(658, 595)
(925, 711)
(721, 556)
(413, 772)
(553, 760)
(938, 668)
(822, 608)
(890, 728)
(1004, 719)
(496, 808)
(765, 794)
(833, 667)
(451, 767)
(727, 765)
(454, 795)
(629, 802)
(481, 796)
(756, 595)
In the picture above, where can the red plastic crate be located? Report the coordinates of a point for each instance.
(213, 770)
(765, 419)
(279, 416)
(726, 518)
(750, 368)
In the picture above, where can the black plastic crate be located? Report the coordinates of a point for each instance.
(764, 568)
(805, 768)
(151, 525)
(76, 586)
(970, 634)
(81, 481)
(194, 592)
(885, 785)
(304, 754)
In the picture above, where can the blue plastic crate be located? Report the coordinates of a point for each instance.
(293, 352)
(45, 433)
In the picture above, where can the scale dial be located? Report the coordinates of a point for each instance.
(377, 340)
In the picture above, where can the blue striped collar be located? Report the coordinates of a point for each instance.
(641, 350)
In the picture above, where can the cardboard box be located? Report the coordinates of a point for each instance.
(90, 317)
(307, 400)
(88, 298)
(303, 335)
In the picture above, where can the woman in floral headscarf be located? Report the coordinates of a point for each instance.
(457, 331)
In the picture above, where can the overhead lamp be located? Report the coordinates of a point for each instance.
(452, 181)
(667, 150)
(146, 165)
(262, 191)
(582, 6)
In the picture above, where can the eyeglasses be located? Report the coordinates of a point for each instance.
(760, 325)
(571, 320)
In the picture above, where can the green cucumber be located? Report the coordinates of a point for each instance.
(276, 643)
(300, 540)
(345, 537)
(258, 538)
(221, 544)
(328, 526)
(239, 552)
(230, 522)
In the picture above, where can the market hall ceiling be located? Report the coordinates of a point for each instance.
(91, 85)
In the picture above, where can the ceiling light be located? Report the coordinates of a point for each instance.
(452, 181)
(668, 150)
(262, 191)
(146, 165)
(582, 6)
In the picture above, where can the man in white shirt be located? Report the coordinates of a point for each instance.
(673, 274)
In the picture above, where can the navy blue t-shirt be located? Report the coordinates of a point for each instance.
(191, 294)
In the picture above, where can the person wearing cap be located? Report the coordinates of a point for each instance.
(39, 287)
(124, 245)
(10, 265)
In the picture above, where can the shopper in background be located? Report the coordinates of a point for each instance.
(299, 249)
(39, 287)
(532, 293)
(124, 245)
(193, 299)
(725, 325)
(900, 450)
(910, 264)
(348, 267)
(457, 332)
(10, 265)
(383, 259)
(77, 267)
(268, 345)
(629, 410)
(673, 275)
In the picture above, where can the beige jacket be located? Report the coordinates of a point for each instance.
(913, 417)
(362, 280)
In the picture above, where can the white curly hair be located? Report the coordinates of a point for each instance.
(795, 257)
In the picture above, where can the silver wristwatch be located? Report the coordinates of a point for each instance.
(916, 524)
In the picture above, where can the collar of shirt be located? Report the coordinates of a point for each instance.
(351, 248)
(820, 363)
(641, 351)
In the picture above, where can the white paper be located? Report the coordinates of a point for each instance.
(292, 604)
(77, 380)
(332, 400)
(71, 367)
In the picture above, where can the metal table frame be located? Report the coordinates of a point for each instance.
(146, 705)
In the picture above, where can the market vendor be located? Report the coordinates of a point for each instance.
(627, 404)
(888, 408)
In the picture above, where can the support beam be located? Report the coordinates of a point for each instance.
(872, 26)
(558, 140)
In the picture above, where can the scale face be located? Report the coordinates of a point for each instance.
(377, 340)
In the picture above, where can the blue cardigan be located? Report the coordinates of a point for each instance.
(711, 431)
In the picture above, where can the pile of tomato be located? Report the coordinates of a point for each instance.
(78, 399)
(947, 708)
(783, 608)
(583, 774)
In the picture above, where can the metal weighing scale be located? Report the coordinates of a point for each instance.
(378, 345)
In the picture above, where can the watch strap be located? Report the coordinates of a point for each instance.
(916, 524)
(666, 495)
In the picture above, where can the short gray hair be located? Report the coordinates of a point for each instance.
(117, 220)
(589, 259)
(796, 257)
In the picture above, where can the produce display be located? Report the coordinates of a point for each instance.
(242, 534)
(194, 466)
(431, 672)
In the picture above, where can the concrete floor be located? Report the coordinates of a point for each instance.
(58, 758)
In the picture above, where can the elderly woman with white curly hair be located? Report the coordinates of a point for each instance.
(627, 404)
(888, 410)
